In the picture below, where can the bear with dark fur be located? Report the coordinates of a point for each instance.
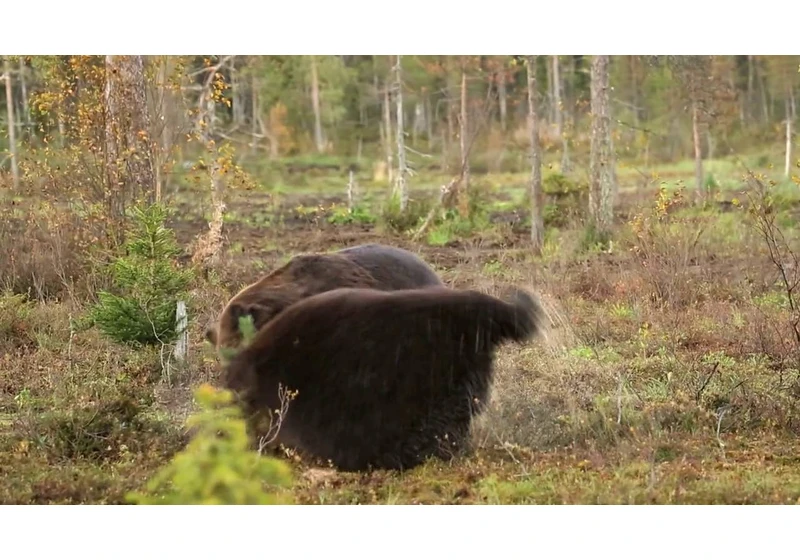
(383, 379)
(380, 267)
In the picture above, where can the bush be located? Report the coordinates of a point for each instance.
(359, 215)
(14, 312)
(218, 467)
(453, 226)
(401, 222)
(565, 199)
(149, 285)
(665, 245)
(95, 432)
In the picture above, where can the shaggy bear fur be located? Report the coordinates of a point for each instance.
(375, 266)
(383, 379)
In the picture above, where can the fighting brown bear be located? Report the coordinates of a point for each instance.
(380, 267)
(382, 379)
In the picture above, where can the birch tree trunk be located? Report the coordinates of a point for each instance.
(12, 133)
(128, 152)
(402, 188)
(601, 165)
(537, 195)
(319, 140)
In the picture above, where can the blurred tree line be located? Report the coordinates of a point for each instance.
(94, 136)
(113, 131)
(277, 106)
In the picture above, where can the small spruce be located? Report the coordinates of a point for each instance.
(147, 284)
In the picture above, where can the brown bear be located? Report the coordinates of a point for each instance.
(376, 266)
(381, 379)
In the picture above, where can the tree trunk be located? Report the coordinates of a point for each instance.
(62, 128)
(537, 195)
(387, 128)
(555, 76)
(26, 111)
(601, 167)
(698, 156)
(350, 189)
(428, 120)
(787, 171)
(750, 89)
(634, 89)
(363, 122)
(128, 156)
(571, 94)
(765, 105)
(167, 115)
(207, 252)
(402, 188)
(565, 164)
(419, 122)
(502, 97)
(238, 94)
(158, 156)
(256, 113)
(12, 133)
(551, 94)
(266, 129)
(319, 141)
(462, 133)
(451, 109)
(711, 145)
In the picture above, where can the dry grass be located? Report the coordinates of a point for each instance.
(665, 377)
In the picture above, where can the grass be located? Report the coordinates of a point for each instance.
(669, 375)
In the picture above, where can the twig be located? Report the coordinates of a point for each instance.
(705, 383)
(418, 153)
(641, 129)
(276, 418)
